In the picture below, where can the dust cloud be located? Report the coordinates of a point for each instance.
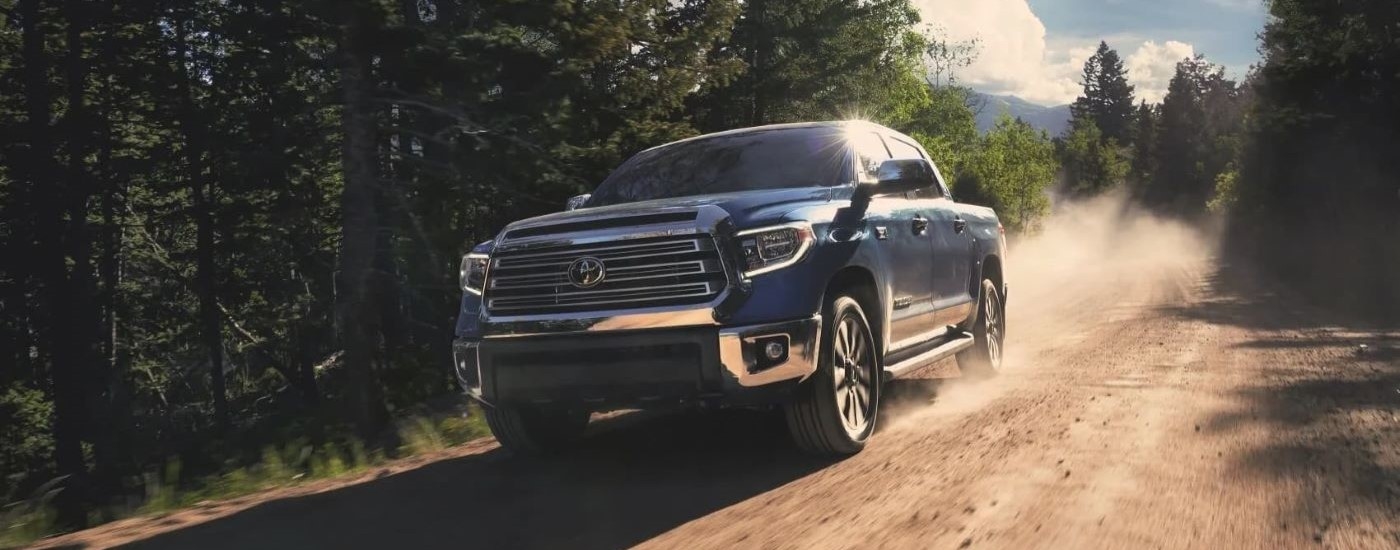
(1084, 246)
(1083, 250)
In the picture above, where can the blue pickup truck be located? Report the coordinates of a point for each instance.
(797, 266)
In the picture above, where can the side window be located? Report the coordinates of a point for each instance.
(870, 152)
(905, 150)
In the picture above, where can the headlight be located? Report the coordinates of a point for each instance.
(769, 249)
(472, 274)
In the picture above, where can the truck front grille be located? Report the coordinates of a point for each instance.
(640, 273)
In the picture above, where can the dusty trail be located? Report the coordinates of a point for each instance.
(1154, 397)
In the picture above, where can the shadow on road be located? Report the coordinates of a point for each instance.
(637, 477)
(1332, 404)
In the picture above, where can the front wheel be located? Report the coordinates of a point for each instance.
(983, 359)
(531, 431)
(834, 410)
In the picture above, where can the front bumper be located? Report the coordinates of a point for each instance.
(640, 368)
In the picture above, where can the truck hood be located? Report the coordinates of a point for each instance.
(746, 209)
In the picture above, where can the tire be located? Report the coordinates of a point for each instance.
(835, 409)
(528, 431)
(983, 359)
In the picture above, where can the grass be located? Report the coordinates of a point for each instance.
(297, 461)
(25, 521)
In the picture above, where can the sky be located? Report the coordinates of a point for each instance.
(1035, 49)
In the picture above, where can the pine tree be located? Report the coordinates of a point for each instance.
(1107, 97)
(1144, 145)
(1197, 136)
(357, 318)
(813, 60)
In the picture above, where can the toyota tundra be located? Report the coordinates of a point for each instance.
(797, 266)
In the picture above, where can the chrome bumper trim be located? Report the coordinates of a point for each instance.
(804, 343)
(603, 321)
(466, 363)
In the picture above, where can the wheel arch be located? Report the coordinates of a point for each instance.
(989, 268)
(865, 288)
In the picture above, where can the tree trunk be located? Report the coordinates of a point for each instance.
(111, 414)
(62, 344)
(356, 315)
(305, 376)
(80, 127)
(210, 321)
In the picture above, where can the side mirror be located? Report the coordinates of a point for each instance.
(903, 175)
(577, 202)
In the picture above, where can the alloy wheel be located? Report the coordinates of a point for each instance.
(995, 328)
(853, 371)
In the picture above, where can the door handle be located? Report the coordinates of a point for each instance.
(959, 225)
(920, 225)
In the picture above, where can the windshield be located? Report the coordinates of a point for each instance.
(761, 159)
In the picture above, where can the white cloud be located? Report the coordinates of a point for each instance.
(1238, 5)
(1012, 57)
(1016, 58)
(1151, 67)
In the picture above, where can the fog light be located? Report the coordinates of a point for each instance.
(774, 350)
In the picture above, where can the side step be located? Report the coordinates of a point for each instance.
(947, 349)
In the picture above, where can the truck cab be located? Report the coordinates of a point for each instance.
(796, 266)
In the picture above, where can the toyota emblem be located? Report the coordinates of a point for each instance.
(587, 272)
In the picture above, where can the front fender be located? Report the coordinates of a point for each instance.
(798, 291)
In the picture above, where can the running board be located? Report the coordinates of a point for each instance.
(952, 346)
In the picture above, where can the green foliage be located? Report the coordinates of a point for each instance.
(299, 461)
(26, 444)
(22, 521)
(1201, 120)
(947, 128)
(1095, 155)
(1317, 177)
(1011, 172)
(421, 436)
(425, 434)
(1144, 145)
(1107, 100)
(1226, 193)
(22, 525)
(815, 60)
(1092, 163)
(162, 488)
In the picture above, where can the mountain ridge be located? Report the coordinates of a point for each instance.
(1053, 120)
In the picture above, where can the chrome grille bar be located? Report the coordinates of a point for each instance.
(647, 272)
(527, 259)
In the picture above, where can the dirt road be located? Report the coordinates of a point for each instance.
(1154, 397)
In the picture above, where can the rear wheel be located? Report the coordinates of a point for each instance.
(533, 431)
(983, 359)
(834, 411)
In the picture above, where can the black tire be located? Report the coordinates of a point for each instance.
(530, 431)
(828, 416)
(983, 359)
